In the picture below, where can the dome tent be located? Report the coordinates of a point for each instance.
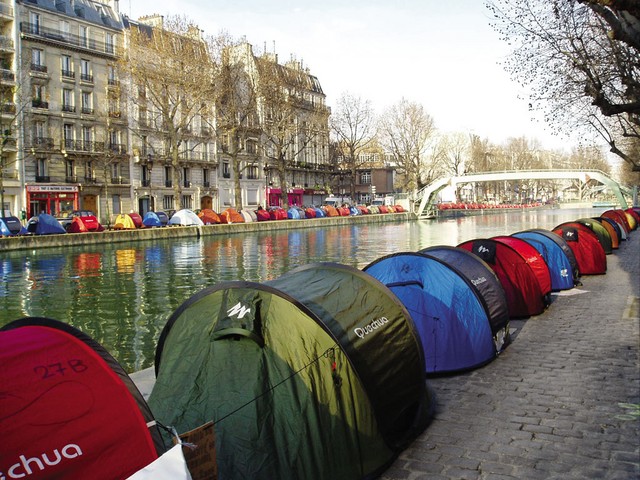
(584, 243)
(68, 407)
(520, 284)
(561, 261)
(484, 280)
(291, 374)
(447, 311)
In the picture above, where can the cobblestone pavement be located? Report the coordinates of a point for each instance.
(560, 403)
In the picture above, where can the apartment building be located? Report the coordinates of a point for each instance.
(10, 179)
(74, 127)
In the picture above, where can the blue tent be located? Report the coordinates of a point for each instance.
(354, 210)
(319, 212)
(446, 310)
(293, 213)
(4, 230)
(45, 224)
(151, 219)
(484, 280)
(562, 272)
(11, 226)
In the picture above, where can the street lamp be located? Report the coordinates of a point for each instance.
(266, 186)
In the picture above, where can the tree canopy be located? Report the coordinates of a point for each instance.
(581, 60)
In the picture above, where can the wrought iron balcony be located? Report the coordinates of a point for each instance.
(37, 103)
(42, 178)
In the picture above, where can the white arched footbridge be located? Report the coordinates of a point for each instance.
(427, 196)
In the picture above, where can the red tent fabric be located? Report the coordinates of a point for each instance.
(535, 260)
(588, 251)
(68, 410)
(77, 226)
(620, 217)
(137, 219)
(263, 215)
(310, 212)
(520, 284)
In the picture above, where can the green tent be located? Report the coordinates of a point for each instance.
(318, 374)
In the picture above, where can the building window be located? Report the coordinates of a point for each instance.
(365, 178)
(206, 177)
(187, 201)
(70, 171)
(68, 136)
(41, 167)
(37, 59)
(251, 146)
(117, 205)
(67, 100)
(65, 29)
(34, 19)
(87, 139)
(186, 183)
(66, 66)
(38, 96)
(84, 35)
(110, 43)
(252, 172)
(226, 173)
(85, 71)
(111, 75)
(87, 103)
(115, 173)
(88, 172)
(39, 133)
(167, 177)
(167, 202)
(146, 175)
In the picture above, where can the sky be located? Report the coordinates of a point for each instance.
(443, 55)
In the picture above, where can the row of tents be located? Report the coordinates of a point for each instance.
(45, 224)
(319, 373)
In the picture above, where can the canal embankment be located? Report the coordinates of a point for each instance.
(30, 242)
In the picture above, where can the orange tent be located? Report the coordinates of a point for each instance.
(231, 215)
(331, 211)
(208, 216)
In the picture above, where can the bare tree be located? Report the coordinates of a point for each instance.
(235, 106)
(581, 59)
(171, 77)
(290, 121)
(406, 129)
(352, 124)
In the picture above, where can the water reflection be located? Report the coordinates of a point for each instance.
(122, 296)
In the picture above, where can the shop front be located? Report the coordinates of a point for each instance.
(56, 200)
(294, 196)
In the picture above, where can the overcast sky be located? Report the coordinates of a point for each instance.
(441, 54)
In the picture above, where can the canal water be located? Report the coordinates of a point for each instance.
(122, 294)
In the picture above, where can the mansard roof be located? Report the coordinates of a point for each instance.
(87, 10)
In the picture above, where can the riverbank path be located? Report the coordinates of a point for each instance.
(561, 402)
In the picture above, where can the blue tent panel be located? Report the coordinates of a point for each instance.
(319, 212)
(293, 214)
(559, 265)
(450, 318)
(45, 224)
(151, 219)
(4, 230)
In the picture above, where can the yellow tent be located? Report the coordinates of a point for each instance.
(124, 222)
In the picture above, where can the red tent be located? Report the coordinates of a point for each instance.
(620, 217)
(137, 219)
(535, 260)
(588, 251)
(310, 212)
(77, 226)
(68, 409)
(519, 281)
(263, 215)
